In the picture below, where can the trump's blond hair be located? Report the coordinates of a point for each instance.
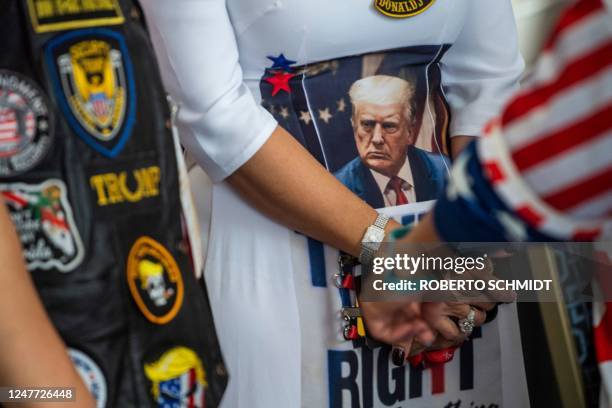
(383, 90)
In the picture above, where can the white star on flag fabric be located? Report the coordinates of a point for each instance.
(324, 115)
(305, 117)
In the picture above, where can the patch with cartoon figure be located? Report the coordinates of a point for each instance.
(45, 224)
(155, 280)
(91, 374)
(26, 124)
(177, 379)
(93, 78)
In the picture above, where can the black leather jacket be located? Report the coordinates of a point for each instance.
(89, 172)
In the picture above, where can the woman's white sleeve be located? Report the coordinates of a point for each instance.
(482, 68)
(220, 123)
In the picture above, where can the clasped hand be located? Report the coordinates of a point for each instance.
(414, 327)
(417, 323)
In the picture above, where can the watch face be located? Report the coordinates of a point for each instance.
(374, 235)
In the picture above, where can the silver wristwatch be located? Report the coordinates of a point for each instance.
(374, 235)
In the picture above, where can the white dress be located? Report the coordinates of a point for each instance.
(463, 58)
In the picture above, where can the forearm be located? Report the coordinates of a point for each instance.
(33, 354)
(285, 182)
(458, 143)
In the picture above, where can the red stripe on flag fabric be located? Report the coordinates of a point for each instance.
(602, 272)
(8, 127)
(9, 120)
(602, 333)
(5, 139)
(586, 235)
(488, 128)
(581, 191)
(530, 215)
(602, 336)
(572, 16)
(437, 378)
(579, 70)
(494, 172)
(564, 139)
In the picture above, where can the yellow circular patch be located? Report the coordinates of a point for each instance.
(402, 8)
(154, 280)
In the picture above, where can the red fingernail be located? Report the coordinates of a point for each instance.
(416, 360)
(441, 356)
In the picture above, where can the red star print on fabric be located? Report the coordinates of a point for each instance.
(280, 82)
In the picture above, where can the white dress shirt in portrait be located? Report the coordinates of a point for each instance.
(388, 193)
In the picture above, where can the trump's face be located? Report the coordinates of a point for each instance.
(382, 135)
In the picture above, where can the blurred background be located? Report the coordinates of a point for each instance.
(535, 19)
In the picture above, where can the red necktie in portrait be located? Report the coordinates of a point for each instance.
(395, 184)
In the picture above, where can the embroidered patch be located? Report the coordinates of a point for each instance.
(43, 218)
(91, 375)
(178, 379)
(402, 8)
(281, 63)
(280, 74)
(26, 124)
(154, 280)
(125, 186)
(57, 15)
(93, 78)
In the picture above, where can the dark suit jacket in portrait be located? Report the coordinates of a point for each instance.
(428, 173)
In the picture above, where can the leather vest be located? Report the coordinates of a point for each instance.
(88, 170)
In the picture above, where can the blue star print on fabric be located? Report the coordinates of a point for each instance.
(281, 62)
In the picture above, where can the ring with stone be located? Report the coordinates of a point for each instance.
(466, 326)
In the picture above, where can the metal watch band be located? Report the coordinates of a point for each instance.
(370, 246)
(381, 221)
(367, 254)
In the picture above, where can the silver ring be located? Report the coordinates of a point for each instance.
(466, 326)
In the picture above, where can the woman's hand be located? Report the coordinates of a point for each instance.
(398, 323)
(443, 318)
